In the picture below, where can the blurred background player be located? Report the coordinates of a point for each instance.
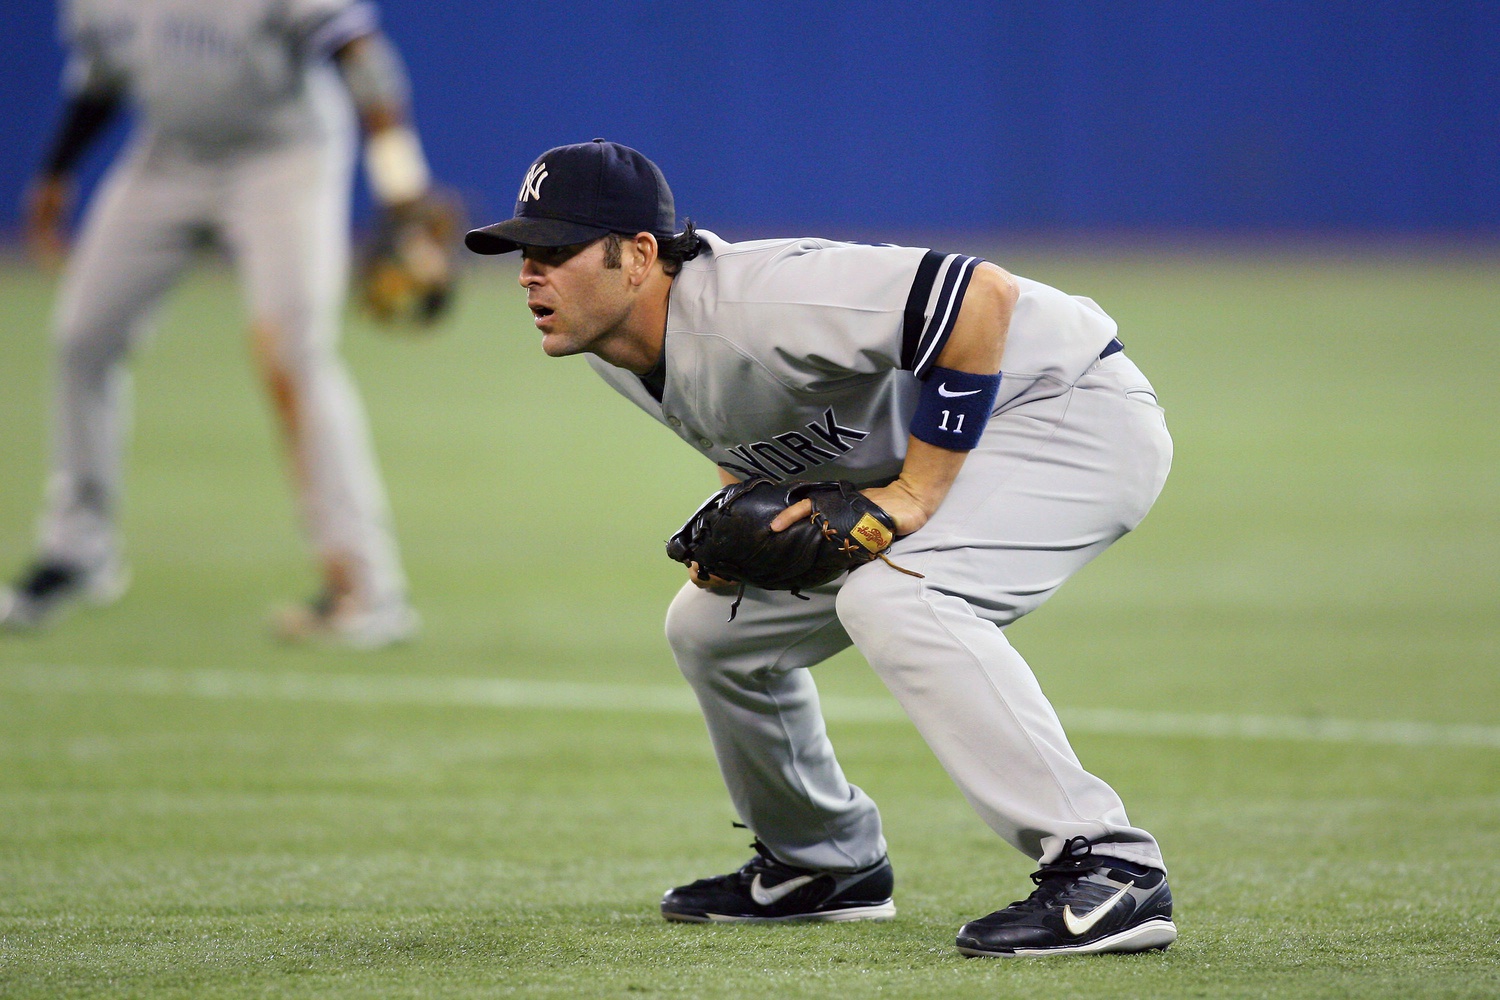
(245, 134)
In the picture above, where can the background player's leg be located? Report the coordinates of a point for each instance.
(288, 226)
(761, 706)
(135, 241)
(1062, 480)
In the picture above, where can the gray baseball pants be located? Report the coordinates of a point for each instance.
(1052, 484)
(283, 215)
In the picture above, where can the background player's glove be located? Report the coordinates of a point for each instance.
(730, 536)
(407, 271)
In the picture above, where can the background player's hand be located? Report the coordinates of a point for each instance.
(707, 581)
(46, 208)
(408, 270)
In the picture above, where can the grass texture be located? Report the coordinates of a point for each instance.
(187, 810)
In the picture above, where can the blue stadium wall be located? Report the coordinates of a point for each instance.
(848, 119)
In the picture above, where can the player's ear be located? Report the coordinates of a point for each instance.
(646, 251)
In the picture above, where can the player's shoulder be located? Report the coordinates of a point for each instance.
(791, 248)
(349, 18)
(75, 16)
(775, 267)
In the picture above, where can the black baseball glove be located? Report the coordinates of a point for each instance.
(407, 270)
(730, 536)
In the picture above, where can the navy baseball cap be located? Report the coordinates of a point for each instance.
(573, 194)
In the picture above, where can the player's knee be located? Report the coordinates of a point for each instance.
(702, 641)
(868, 599)
(284, 354)
(693, 621)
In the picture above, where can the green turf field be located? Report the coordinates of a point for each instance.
(1291, 672)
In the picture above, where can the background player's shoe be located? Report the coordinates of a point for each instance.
(343, 621)
(48, 589)
(1083, 903)
(764, 889)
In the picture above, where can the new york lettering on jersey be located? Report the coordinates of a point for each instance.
(793, 453)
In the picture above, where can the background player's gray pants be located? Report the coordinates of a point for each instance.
(284, 216)
(1054, 482)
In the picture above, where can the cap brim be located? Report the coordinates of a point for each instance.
(513, 234)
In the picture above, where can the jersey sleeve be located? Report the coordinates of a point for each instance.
(92, 66)
(937, 292)
(819, 311)
(325, 26)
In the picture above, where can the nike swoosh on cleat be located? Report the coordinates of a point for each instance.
(943, 390)
(1081, 926)
(774, 895)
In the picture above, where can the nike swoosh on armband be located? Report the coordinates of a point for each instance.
(943, 390)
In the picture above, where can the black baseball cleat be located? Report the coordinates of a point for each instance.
(47, 589)
(1083, 904)
(765, 890)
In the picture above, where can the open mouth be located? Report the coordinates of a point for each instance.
(540, 312)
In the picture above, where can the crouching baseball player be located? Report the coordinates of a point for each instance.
(990, 436)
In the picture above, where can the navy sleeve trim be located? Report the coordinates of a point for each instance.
(84, 117)
(916, 307)
(930, 317)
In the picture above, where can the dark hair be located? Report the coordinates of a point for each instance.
(672, 251)
(675, 250)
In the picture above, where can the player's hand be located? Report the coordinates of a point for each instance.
(897, 501)
(46, 206)
(798, 511)
(908, 510)
(707, 581)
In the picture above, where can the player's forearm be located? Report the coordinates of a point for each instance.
(975, 348)
(926, 476)
(376, 77)
(395, 164)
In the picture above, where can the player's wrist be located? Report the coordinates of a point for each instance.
(954, 407)
(905, 504)
(396, 166)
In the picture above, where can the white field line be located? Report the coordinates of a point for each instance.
(478, 692)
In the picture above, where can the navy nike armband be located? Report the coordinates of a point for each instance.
(954, 407)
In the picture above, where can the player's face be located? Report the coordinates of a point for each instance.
(575, 300)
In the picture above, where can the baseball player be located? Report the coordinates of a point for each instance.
(246, 136)
(995, 419)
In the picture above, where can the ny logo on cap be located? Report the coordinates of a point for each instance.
(531, 185)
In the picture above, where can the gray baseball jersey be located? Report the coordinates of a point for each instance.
(244, 131)
(803, 359)
(227, 74)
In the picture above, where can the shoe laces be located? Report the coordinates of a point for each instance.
(764, 861)
(1054, 879)
(323, 605)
